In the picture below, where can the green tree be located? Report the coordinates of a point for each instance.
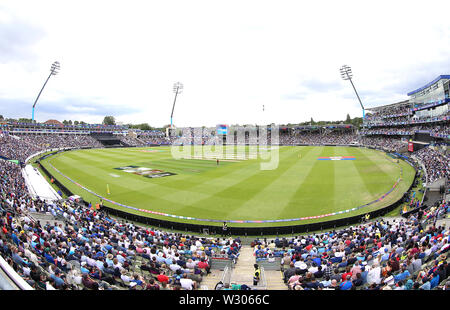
(145, 126)
(109, 120)
(357, 121)
(25, 120)
(348, 120)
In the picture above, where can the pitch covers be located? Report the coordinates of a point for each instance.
(337, 158)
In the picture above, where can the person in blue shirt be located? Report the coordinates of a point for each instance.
(137, 280)
(107, 247)
(99, 254)
(317, 260)
(18, 259)
(15, 238)
(335, 259)
(385, 256)
(360, 257)
(95, 273)
(347, 284)
(168, 261)
(49, 258)
(434, 281)
(160, 259)
(313, 284)
(402, 275)
(343, 263)
(59, 282)
(426, 285)
(83, 268)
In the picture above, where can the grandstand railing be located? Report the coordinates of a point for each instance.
(226, 275)
(46, 151)
(13, 280)
(221, 263)
(274, 265)
(435, 119)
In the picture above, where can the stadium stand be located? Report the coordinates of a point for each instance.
(89, 250)
(20, 147)
(86, 249)
(399, 254)
(61, 244)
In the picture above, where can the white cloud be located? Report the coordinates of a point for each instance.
(232, 57)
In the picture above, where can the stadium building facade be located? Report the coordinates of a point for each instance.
(431, 100)
(425, 113)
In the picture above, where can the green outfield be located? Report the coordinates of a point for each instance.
(236, 189)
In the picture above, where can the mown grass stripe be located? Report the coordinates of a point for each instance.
(273, 206)
(373, 177)
(255, 181)
(316, 190)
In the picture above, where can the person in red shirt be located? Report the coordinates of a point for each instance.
(203, 265)
(348, 242)
(162, 277)
(8, 218)
(413, 251)
(346, 273)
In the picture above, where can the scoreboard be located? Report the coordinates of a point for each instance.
(222, 129)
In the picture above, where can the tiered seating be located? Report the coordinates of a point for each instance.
(19, 148)
(380, 255)
(93, 251)
(437, 164)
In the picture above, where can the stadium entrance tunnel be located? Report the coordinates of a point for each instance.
(108, 140)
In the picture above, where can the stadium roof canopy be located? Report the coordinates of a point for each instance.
(382, 107)
(54, 122)
(440, 77)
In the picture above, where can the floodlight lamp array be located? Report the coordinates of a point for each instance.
(55, 68)
(177, 87)
(346, 72)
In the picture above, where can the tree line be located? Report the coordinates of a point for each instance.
(110, 120)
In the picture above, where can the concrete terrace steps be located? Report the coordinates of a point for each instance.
(209, 282)
(274, 280)
(243, 272)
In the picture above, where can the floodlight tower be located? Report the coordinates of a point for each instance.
(346, 74)
(177, 89)
(53, 71)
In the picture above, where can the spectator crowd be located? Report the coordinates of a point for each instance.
(436, 163)
(400, 254)
(21, 147)
(86, 249)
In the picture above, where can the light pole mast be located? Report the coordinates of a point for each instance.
(346, 74)
(177, 89)
(53, 71)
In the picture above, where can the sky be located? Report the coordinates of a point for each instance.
(122, 58)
